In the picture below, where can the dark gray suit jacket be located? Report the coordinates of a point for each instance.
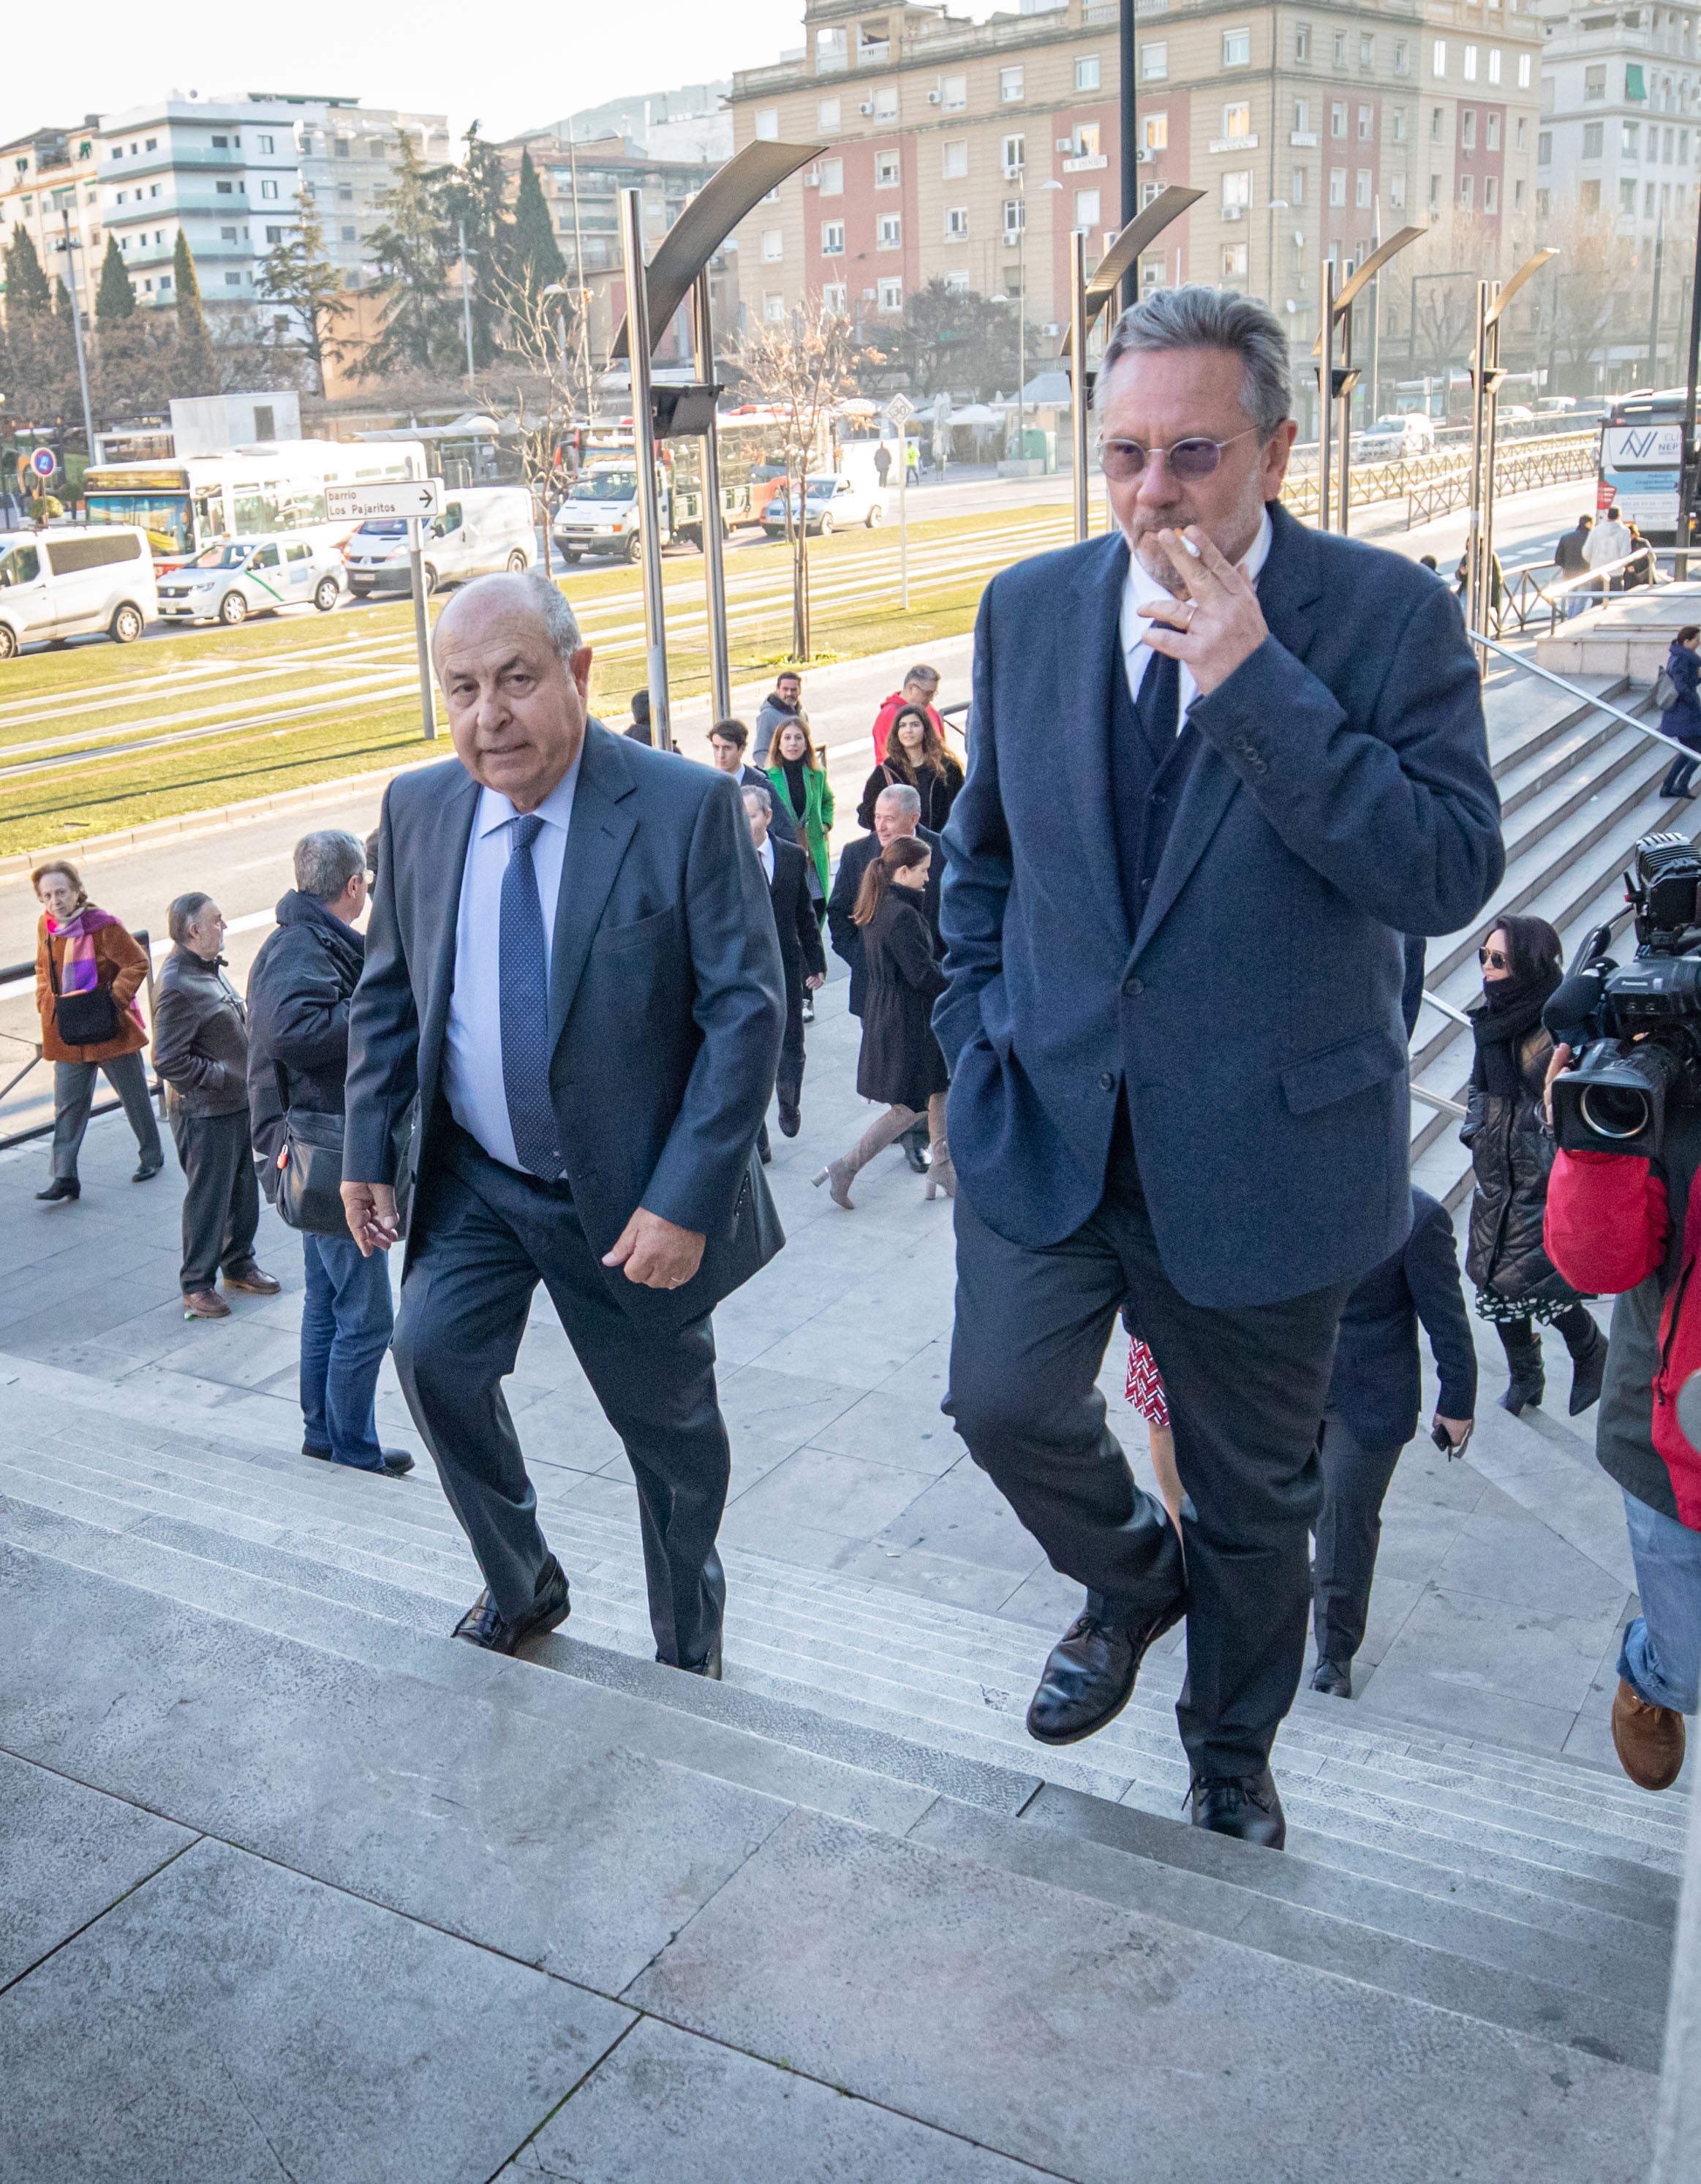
(666, 1003)
(1341, 797)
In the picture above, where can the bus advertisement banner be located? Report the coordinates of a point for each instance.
(1640, 472)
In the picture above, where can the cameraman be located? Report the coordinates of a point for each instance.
(1620, 1224)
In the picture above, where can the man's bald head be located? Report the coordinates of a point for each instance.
(517, 678)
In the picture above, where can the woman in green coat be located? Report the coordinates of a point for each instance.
(800, 782)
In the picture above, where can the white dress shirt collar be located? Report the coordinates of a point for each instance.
(1141, 588)
(556, 809)
(766, 854)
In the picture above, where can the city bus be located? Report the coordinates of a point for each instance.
(185, 506)
(1641, 463)
(599, 515)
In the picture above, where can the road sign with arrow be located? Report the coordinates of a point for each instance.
(414, 497)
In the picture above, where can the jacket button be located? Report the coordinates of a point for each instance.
(1135, 986)
(1107, 1083)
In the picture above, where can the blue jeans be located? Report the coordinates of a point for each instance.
(346, 1321)
(1661, 1655)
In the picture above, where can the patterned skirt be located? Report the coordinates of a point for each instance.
(1146, 1386)
(1507, 1311)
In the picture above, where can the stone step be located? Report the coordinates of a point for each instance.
(934, 1971)
(781, 1624)
(1389, 1939)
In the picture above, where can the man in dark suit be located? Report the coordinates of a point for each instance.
(1211, 783)
(728, 741)
(801, 954)
(572, 964)
(896, 811)
(1372, 1413)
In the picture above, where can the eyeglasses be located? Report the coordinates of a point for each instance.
(1188, 460)
(1491, 959)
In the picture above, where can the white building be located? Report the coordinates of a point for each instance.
(1621, 126)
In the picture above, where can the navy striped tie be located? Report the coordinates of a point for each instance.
(524, 963)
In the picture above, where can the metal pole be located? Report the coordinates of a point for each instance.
(644, 449)
(77, 338)
(1653, 308)
(1130, 143)
(1687, 498)
(1373, 405)
(1473, 567)
(466, 299)
(422, 634)
(1325, 396)
(1022, 310)
(1490, 411)
(1344, 425)
(1077, 358)
(904, 515)
(579, 273)
(714, 566)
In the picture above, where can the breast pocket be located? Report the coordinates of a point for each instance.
(661, 928)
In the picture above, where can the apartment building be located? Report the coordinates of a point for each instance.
(582, 184)
(43, 176)
(1620, 125)
(970, 151)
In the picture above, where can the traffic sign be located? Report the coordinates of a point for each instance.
(416, 497)
(900, 409)
(44, 462)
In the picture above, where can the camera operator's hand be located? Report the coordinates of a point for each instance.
(1561, 1062)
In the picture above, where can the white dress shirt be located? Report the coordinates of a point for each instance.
(766, 854)
(1140, 588)
(472, 1043)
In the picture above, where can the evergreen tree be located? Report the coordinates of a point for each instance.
(412, 248)
(475, 195)
(27, 289)
(114, 299)
(197, 369)
(296, 274)
(537, 255)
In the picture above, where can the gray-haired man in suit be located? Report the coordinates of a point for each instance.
(572, 964)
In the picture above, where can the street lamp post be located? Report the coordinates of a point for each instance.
(77, 336)
(1077, 343)
(1129, 144)
(644, 452)
(714, 568)
(1341, 380)
(466, 298)
(1492, 297)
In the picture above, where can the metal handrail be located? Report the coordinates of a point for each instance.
(155, 1091)
(1438, 1100)
(1584, 697)
(1446, 1008)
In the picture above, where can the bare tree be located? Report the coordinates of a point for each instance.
(1592, 297)
(537, 378)
(801, 368)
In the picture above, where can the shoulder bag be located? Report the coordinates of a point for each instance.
(82, 1019)
(310, 1173)
(1666, 691)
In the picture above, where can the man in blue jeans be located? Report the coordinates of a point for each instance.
(299, 994)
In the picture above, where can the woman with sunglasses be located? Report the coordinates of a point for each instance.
(1511, 1153)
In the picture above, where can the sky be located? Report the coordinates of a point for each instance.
(548, 58)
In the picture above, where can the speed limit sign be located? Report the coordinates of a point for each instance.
(44, 462)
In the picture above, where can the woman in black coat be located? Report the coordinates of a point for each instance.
(901, 1062)
(1511, 1153)
(1682, 717)
(915, 758)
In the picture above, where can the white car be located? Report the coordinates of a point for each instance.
(240, 576)
(833, 503)
(71, 583)
(483, 529)
(1391, 437)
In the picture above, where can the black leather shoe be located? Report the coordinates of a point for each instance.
(398, 1463)
(790, 1121)
(1244, 1806)
(709, 1669)
(913, 1152)
(484, 1624)
(61, 1188)
(1089, 1675)
(1332, 1679)
(147, 1171)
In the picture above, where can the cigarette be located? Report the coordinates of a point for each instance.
(1189, 544)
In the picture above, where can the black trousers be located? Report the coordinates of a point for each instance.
(1349, 1531)
(789, 1084)
(221, 1204)
(1245, 1388)
(484, 1237)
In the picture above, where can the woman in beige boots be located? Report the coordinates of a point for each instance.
(900, 1061)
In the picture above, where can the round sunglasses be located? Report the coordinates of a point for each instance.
(1188, 459)
(1492, 959)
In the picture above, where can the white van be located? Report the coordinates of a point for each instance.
(60, 583)
(483, 528)
(241, 577)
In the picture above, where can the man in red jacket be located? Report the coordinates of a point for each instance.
(920, 687)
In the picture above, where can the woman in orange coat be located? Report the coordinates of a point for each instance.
(85, 953)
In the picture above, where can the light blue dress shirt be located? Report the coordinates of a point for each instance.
(472, 1043)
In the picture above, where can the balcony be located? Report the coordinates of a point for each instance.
(1305, 138)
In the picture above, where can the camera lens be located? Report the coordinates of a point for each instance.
(1614, 1111)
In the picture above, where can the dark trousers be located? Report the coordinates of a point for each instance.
(221, 1204)
(1349, 1531)
(789, 1084)
(484, 1237)
(73, 1091)
(1246, 1389)
(1679, 774)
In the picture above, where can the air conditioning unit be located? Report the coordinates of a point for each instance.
(1143, 158)
(1051, 333)
(812, 181)
(1234, 212)
(1066, 143)
(867, 107)
(935, 97)
(1013, 169)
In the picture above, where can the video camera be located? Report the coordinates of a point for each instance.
(1638, 1029)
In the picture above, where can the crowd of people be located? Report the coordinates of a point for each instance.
(588, 969)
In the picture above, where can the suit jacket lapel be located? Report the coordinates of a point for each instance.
(1289, 586)
(1088, 649)
(601, 825)
(440, 911)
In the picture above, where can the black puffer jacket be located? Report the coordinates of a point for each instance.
(298, 995)
(1511, 1153)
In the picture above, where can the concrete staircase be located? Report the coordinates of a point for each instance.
(1487, 1909)
(1577, 789)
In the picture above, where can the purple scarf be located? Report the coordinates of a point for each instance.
(79, 971)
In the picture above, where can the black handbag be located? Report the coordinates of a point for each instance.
(310, 1175)
(82, 1019)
